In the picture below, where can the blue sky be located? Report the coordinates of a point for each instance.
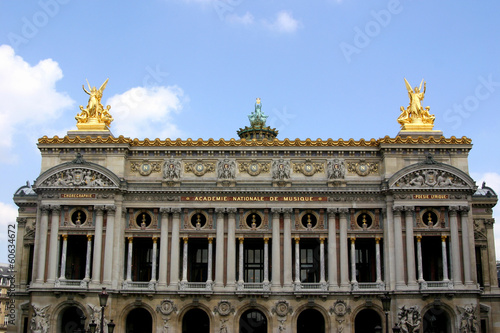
(193, 68)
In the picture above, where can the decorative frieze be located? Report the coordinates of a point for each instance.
(308, 168)
(145, 167)
(254, 168)
(199, 168)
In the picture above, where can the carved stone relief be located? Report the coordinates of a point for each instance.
(254, 168)
(172, 169)
(226, 169)
(281, 169)
(335, 169)
(409, 319)
(430, 178)
(145, 167)
(78, 177)
(308, 168)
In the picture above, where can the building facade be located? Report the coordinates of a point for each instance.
(256, 234)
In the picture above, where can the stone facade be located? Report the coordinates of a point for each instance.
(256, 236)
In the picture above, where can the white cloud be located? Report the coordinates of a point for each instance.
(284, 23)
(29, 97)
(245, 19)
(140, 111)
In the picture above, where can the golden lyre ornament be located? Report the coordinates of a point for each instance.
(415, 117)
(94, 116)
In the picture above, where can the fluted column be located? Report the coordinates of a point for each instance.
(464, 214)
(64, 252)
(129, 258)
(492, 268)
(240, 262)
(322, 260)
(162, 274)
(389, 250)
(209, 263)
(297, 260)
(344, 263)
(96, 265)
(184, 259)
(153, 264)
(219, 249)
(419, 259)
(456, 268)
(266, 260)
(87, 259)
(287, 248)
(108, 244)
(119, 245)
(42, 241)
(353, 261)
(398, 244)
(332, 249)
(54, 235)
(378, 260)
(174, 251)
(231, 248)
(445, 258)
(276, 253)
(410, 248)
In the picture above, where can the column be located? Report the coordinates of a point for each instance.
(129, 258)
(87, 259)
(332, 249)
(153, 264)
(297, 260)
(287, 249)
(174, 251)
(266, 260)
(42, 249)
(162, 274)
(96, 265)
(445, 258)
(276, 251)
(389, 250)
(231, 248)
(378, 260)
(344, 263)
(419, 259)
(322, 260)
(219, 249)
(184, 259)
(464, 214)
(353, 261)
(209, 263)
(492, 268)
(54, 235)
(456, 269)
(410, 248)
(108, 243)
(119, 247)
(63, 256)
(240, 262)
(398, 247)
(486, 269)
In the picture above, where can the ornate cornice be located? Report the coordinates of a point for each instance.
(253, 143)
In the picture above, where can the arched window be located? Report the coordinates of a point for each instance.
(196, 320)
(253, 321)
(310, 320)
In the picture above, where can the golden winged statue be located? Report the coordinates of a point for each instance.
(94, 116)
(415, 117)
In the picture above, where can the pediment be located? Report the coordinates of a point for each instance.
(437, 176)
(78, 174)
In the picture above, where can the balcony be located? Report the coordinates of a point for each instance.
(368, 286)
(196, 286)
(436, 285)
(65, 283)
(310, 286)
(139, 285)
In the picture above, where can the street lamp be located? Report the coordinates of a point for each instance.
(103, 299)
(396, 328)
(386, 304)
(378, 329)
(93, 326)
(111, 326)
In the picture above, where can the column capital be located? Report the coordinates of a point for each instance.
(231, 211)
(266, 240)
(64, 237)
(220, 211)
(353, 240)
(409, 209)
(297, 239)
(185, 239)
(210, 239)
(155, 239)
(55, 208)
(488, 223)
(45, 209)
(110, 208)
(287, 211)
(377, 240)
(453, 210)
(343, 211)
(130, 239)
(89, 238)
(396, 210)
(276, 211)
(443, 238)
(464, 210)
(332, 211)
(99, 209)
(241, 239)
(419, 238)
(176, 211)
(322, 240)
(165, 211)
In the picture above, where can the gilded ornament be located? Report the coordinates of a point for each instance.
(199, 168)
(254, 168)
(308, 168)
(415, 117)
(362, 168)
(94, 117)
(145, 168)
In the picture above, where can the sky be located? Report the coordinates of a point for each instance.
(193, 68)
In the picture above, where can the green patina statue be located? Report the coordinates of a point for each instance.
(257, 118)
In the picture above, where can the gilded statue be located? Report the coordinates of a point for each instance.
(415, 116)
(95, 116)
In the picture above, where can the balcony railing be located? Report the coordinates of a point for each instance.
(367, 286)
(436, 285)
(139, 285)
(311, 286)
(64, 283)
(196, 286)
(256, 286)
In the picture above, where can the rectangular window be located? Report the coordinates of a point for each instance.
(253, 261)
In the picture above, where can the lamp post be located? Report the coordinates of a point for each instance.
(103, 299)
(386, 304)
